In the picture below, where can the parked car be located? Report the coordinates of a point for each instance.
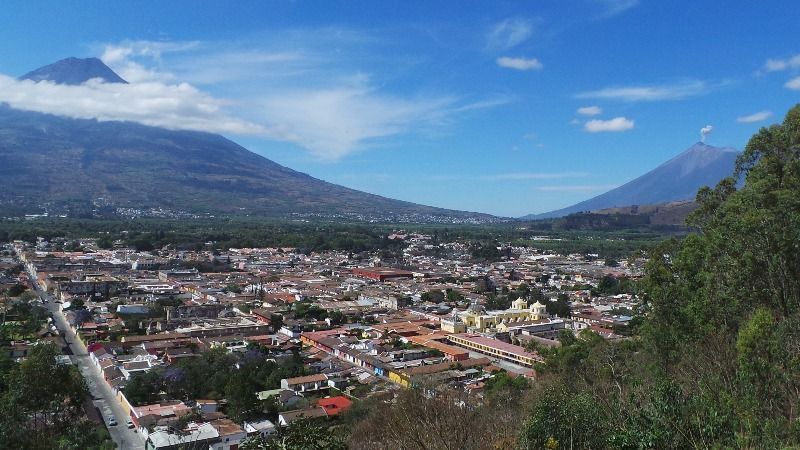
(112, 421)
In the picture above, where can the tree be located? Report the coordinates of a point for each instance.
(561, 307)
(28, 296)
(432, 296)
(38, 413)
(143, 388)
(105, 242)
(16, 290)
(276, 321)
(563, 419)
(301, 434)
(454, 296)
(608, 285)
(240, 392)
(233, 287)
(497, 302)
(337, 318)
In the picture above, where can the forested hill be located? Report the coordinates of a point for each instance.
(715, 364)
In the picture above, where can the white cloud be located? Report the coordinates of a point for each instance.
(495, 101)
(289, 89)
(755, 117)
(154, 49)
(615, 124)
(577, 188)
(793, 84)
(335, 122)
(122, 59)
(590, 110)
(509, 33)
(173, 106)
(614, 7)
(776, 65)
(519, 63)
(673, 91)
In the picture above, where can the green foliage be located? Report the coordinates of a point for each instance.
(233, 287)
(143, 388)
(307, 310)
(299, 435)
(503, 384)
(40, 405)
(241, 395)
(561, 307)
(610, 285)
(485, 251)
(498, 302)
(563, 419)
(453, 295)
(22, 320)
(16, 290)
(432, 296)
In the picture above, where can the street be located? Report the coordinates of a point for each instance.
(105, 400)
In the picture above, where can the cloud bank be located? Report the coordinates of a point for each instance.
(173, 106)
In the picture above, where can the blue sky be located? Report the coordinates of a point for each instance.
(500, 107)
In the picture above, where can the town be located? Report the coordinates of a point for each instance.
(225, 345)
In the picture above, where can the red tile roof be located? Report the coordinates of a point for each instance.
(334, 405)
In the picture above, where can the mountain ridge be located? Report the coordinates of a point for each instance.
(74, 71)
(48, 159)
(55, 163)
(677, 179)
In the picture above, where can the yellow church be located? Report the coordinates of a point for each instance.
(476, 318)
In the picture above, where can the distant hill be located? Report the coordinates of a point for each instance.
(672, 213)
(677, 179)
(76, 163)
(74, 71)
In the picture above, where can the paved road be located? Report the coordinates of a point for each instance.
(105, 400)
